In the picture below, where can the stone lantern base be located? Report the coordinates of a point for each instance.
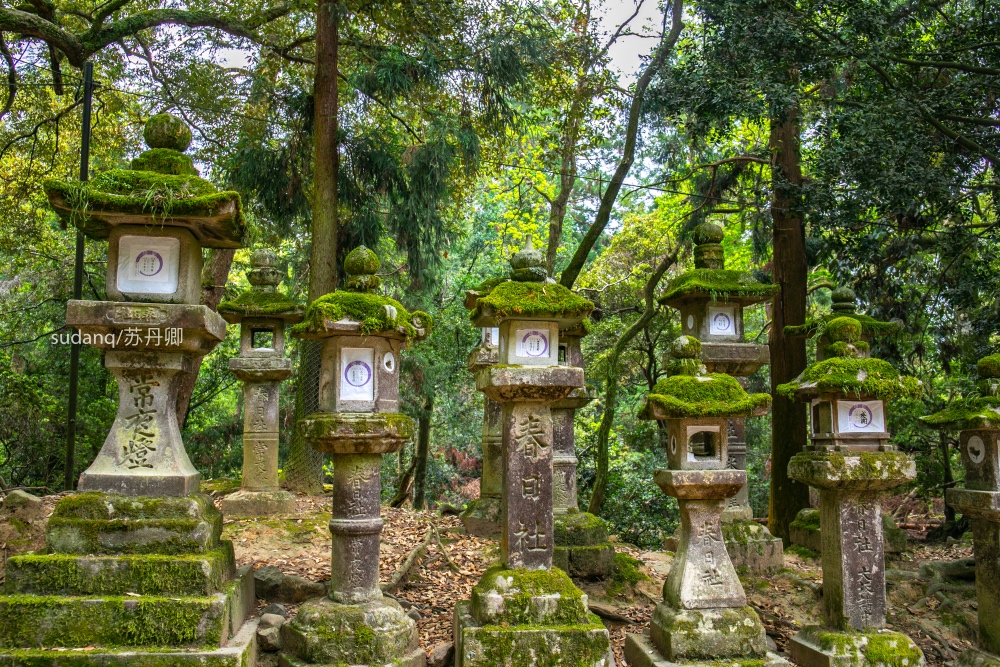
(529, 618)
(815, 646)
(377, 633)
(582, 548)
(641, 652)
(129, 581)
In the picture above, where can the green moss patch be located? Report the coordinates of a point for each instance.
(869, 326)
(253, 302)
(966, 414)
(367, 309)
(807, 519)
(989, 367)
(507, 597)
(165, 161)
(577, 528)
(874, 378)
(511, 299)
(720, 284)
(877, 648)
(711, 395)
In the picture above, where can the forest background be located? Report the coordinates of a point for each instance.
(839, 143)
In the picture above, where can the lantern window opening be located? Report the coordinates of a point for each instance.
(703, 443)
(262, 339)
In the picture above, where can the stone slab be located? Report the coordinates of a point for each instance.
(640, 652)
(118, 536)
(529, 383)
(580, 645)
(976, 504)
(111, 320)
(752, 546)
(804, 530)
(482, 517)
(241, 651)
(258, 503)
(707, 634)
(145, 574)
(528, 597)
(853, 471)
(526, 534)
(356, 433)
(585, 562)
(376, 633)
(820, 647)
(261, 369)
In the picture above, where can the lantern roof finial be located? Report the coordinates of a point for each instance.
(361, 265)
(528, 265)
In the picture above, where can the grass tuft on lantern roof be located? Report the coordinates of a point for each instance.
(253, 302)
(966, 414)
(367, 309)
(718, 283)
(530, 299)
(876, 378)
(709, 395)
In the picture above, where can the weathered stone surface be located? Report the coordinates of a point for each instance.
(97, 523)
(578, 529)
(976, 658)
(579, 645)
(357, 432)
(564, 462)
(272, 585)
(526, 537)
(269, 639)
(589, 562)
(700, 484)
(261, 369)
(739, 359)
(276, 608)
(707, 634)
(258, 503)
(130, 327)
(529, 383)
(977, 504)
(377, 632)
(895, 538)
(857, 471)
(986, 538)
(819, 647)
(356, 527)
(240, 651)
(805, 530)
(527, 597)
(980, 451)
(22, 505)
(640, 652)
(145, 574)
(482, 517)
(752, 546)
(442, 655)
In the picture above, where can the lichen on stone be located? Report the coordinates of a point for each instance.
(867, 377)
(165, 161)
(512, 298)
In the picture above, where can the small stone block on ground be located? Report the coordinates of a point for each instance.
(590, 562)
(640, 652)
(708, 634)
(576, 645)
(815, 646)
(804, 531)
(258, 503)
(752, 546)
(482, 517)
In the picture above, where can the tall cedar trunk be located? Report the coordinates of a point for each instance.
(949, 478)
(214, 275)
(304, 467)
(788, 355)
(423, 446)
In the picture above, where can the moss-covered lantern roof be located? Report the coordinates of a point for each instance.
(844, 304)
(710, 280)
(690, 392)
(357, 308)
(973, 412)
(529, 294)
(263, 298)
(162, 188)
(848, 371)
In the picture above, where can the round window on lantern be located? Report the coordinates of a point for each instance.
(389, 362)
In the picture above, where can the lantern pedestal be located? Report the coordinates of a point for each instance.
(702, 591)
(851, 485)
(984, 508)
(482, 516)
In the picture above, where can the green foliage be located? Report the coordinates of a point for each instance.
(963, 414)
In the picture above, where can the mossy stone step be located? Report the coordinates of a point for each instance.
(101, 523)
(35, 621)
(579, 529)
(145, 574)
(239, 652)
(589, 562)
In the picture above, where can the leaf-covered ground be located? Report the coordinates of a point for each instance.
(931, 590)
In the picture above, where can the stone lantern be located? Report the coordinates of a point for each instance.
(704, 616)
(582, 547)
(711, 300)
(139, 527)
(853, 465)
(262, 313)
(978, 420)
(523, 606)
(482, 516)
(358, 421)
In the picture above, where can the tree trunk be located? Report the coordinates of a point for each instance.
(567, 179)
(214, 275)
(420, 461)
(788, 355)
(304, 467)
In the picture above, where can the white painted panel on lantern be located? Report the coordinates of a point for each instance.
(148, 264)
(532, 343)
(722, 321)
(357, 374)
(860, 416)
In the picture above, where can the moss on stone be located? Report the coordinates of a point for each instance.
(165, 130)
(720, 284)
(807, 520)
(869, 326)
(811, 467)
(511, 299)
(369, 310)
(711, 395)
(518, 589)
(802, 552)
(577, 528)
(878, 648)
(254, 302)
(989, 367)
(846, 329)
(873, 378)
(361, 261)
(165, 161)
(966, 414)
(626, 570)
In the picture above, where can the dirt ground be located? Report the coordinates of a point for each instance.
(931, 596)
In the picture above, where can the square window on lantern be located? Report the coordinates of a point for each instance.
(357, 374)
(722, 320)
(148, 264)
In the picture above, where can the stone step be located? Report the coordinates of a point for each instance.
(100, 523)
(241, 651)
(145, 574)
